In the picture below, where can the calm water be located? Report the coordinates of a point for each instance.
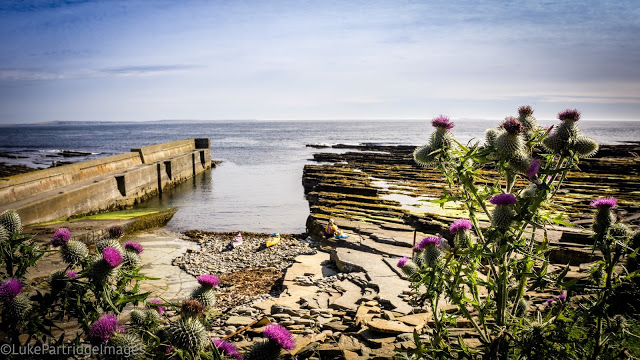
(258, 186)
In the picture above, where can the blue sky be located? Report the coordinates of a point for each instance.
(153, 60)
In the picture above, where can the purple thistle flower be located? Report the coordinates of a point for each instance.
(112, 256)
(549, 302)
(168, 350)
(525, 110)
(430, 240)
(280, 335)
(533, 169)
(403, 261)
(60, 237)
(208, 280)
(460, 225)
(101, 330)
(503, 199)
(9, 289)
(512, 125)
(569, 114)
(605, 202)
(562, 297)
(227, 349)
(442, 122)
(158, 308)
(133, 246)
(71, 274)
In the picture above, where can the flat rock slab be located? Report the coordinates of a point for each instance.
(390, 285)
(349, 299)
(239, 321)
(389, 326)
(160, 248)
(309, 265)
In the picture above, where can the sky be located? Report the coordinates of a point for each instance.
(133, 60)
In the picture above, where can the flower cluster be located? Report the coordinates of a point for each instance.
(280, 335)
(112, 256)
(102, 329)
(60, 237)
(460, 225)
(9, 289)
(133, 246)
(208, 280)
(442, 122)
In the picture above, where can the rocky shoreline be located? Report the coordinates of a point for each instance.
(377, 194)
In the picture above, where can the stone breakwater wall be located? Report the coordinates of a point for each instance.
(103, 183)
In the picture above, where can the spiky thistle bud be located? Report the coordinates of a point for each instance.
(503, 213)
(112, 243)
(105, 270)
(73, 252)
(520, 162)
(439, 141)
(567, 134)
(11, 221)
(17, 309)
(432, 251)
(125, 347)
(461, 230)
(424, 155)
(585, 147)
(492, 135)
(605, 218)
(188, 334)
(408, 267)
(131, 260)
(205, 295)
(137, 316)
(510, 141)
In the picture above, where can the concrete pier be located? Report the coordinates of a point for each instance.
(104, 183)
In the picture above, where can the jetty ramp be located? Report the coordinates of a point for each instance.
(104, 183)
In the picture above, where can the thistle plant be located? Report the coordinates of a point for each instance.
(188, 333)
(131, 254)
(204, 293)
(500, 250)
(18, 252)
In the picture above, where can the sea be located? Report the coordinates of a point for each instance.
(258, 185)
